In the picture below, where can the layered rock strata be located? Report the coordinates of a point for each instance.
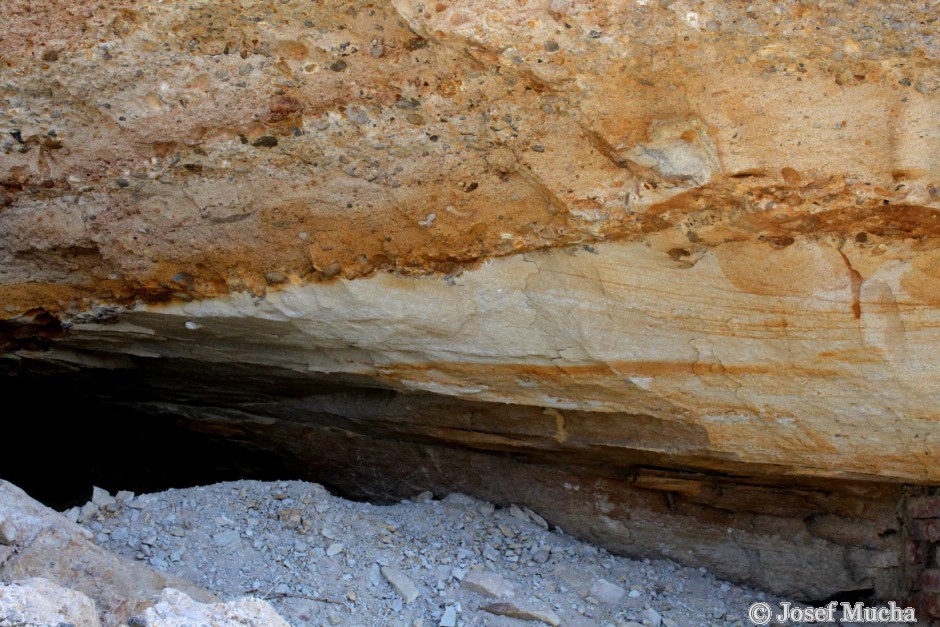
(687, 249)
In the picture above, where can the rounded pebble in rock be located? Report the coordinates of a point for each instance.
(265, 141)
(275, 278)
(7, 532)
(332, 270)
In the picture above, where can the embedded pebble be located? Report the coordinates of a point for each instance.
(7, 532)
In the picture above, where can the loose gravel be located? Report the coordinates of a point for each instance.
(323, 560)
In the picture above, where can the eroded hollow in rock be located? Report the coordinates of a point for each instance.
(176, 422)
(70, 444)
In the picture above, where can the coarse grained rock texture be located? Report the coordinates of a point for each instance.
(681, 234)
(187, 149)
(177, 609)
(39, 601)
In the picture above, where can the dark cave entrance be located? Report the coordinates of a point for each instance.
(65, 438)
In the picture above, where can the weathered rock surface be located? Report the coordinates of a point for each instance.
(694, 244)
(177, 609)
(769, 173)
(39, 601)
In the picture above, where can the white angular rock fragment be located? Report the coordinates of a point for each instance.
(606, 592)
(72, 514)
(102, 498)
(513, 611)
(123, 496)
(651, 618)
(488, 584)
(375, 575)
(88, 510)
(176, 609)
(334, 549)
(402, 584)
(39, 601)
(99, 496)
(449, 619)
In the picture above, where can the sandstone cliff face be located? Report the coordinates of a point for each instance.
(681, 234)
(768, 174)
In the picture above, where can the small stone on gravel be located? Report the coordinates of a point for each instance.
(541, 556)
(449, 619)
(512, 611)
(651, 617)
(424, 497)
(488, 584)
(606, 592)
(402, 584)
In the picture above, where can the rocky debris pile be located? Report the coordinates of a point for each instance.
(100, 501)
(323, 560)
